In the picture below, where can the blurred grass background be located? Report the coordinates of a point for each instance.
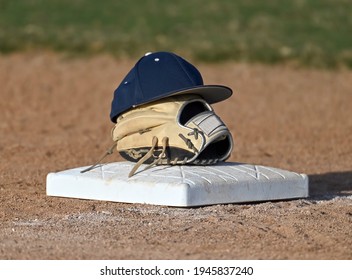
(314, 33)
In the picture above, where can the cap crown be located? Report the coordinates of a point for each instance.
(155, 76)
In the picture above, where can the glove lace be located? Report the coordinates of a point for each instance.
(108, 152)
(189, 142)
(149, 154)
(195, 132)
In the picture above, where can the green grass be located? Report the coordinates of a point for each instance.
(306, 32)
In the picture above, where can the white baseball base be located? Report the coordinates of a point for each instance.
(181, 186)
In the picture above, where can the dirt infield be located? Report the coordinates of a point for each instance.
(54, 115)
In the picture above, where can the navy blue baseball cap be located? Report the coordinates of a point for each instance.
(159, 75)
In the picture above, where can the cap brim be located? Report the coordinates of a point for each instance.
(210, 93)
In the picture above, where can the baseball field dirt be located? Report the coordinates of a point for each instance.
(54, 115)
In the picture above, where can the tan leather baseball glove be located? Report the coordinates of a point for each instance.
(182, 129)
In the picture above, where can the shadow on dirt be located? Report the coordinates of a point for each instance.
(328, 185)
